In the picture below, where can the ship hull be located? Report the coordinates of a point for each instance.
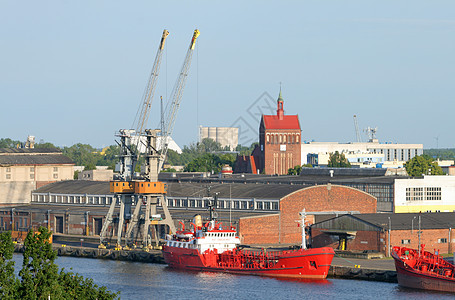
(410, 277)
(305, 264)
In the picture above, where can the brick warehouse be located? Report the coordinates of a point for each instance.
(279, 143)
(371, 232)
(283, 227)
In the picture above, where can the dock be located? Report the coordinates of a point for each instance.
(363, 269)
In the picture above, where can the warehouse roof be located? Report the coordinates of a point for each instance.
(402, 221)
(40, 156)
(28, 150)
(185, 189)
(320, 177)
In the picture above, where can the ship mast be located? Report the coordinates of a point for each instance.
(303, 215)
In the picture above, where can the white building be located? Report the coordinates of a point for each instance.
(427, 194)
(356, 159)
(226, 136)
(391, 152)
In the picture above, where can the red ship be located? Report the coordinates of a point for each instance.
(423, 270)
(212, 247)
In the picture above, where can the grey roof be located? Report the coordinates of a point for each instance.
(308, 179)
(76, 187)
(351, 172)
(405, 221)
(29, 150)
(36, 159)
(185, 189)
(40, 156)
(94, 210)
(234, 190)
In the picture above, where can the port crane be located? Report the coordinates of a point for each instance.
(145, 189)
(176, 98)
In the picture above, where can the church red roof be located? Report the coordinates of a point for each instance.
(288, 122)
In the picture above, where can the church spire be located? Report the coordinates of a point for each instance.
(280, 104)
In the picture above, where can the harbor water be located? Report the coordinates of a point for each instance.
(137, 280)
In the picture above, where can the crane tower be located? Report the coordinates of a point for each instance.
(144, 189)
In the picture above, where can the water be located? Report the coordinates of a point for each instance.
(150, 281)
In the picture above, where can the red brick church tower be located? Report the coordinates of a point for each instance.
(279, 142)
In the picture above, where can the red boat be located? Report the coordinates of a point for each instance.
(423, 270)
(212, 247)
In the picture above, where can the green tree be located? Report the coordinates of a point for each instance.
(204, 163)
(8, 281)
(39, 274)
(422, 165)
(8, 143)
(46, 145)
(245, 150)
(41, 278)
(295, 171)
(82, 155)
(75, 286)
(173, 158)
(208, 145)
(442, 154)
(337, 160)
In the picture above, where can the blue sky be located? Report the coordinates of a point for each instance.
(75, 71)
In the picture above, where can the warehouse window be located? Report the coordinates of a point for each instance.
(442, 241)
(405, 242)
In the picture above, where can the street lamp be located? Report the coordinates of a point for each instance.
(388, 248)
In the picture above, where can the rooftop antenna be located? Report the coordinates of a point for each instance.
(371, 132)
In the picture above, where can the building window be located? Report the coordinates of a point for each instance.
(268, 139)
(259, 205)
(55, 169)
(414, 194)
(423, 193)
(442, 241)
(32, 176)
(8, 176)
(55, 176)
(284, 139)
(8, 170)
(297, 139)
(405, 242)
